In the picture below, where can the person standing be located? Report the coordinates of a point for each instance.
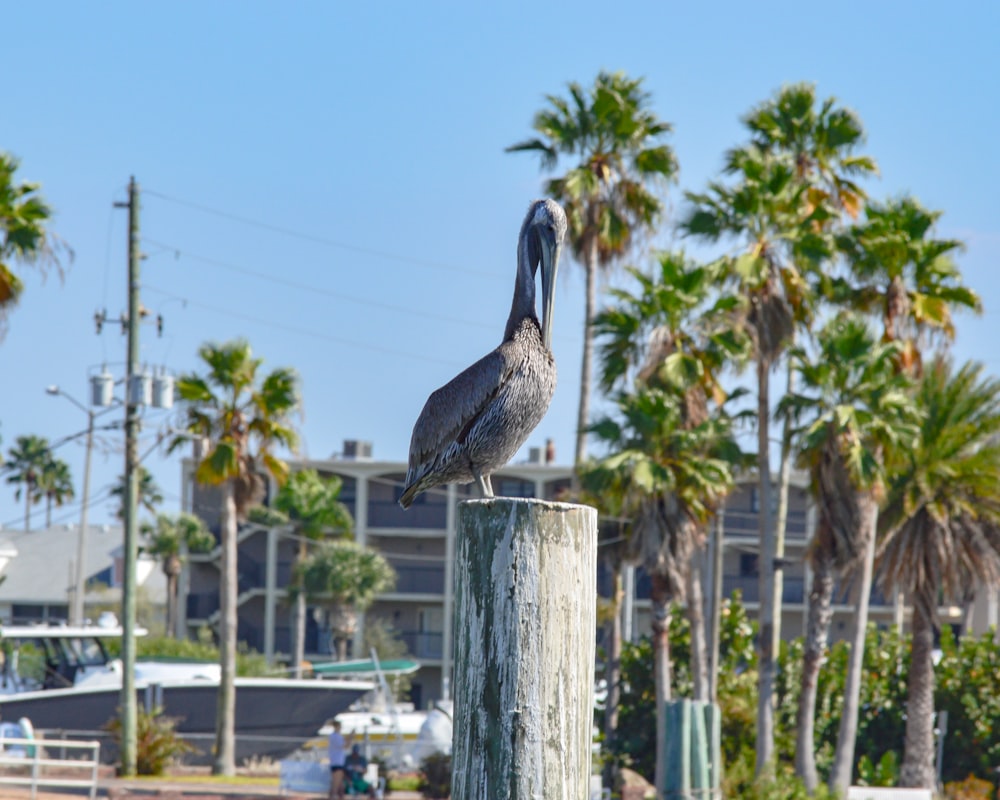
(337, 752)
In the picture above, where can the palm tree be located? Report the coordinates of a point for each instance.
(23, 235)
(793, 182)
(345, 577)
(169, 540)
(941, 524)
(672, 476)
(901, 272)
(897, 270)
(55, 484)
(853, 407)
(26, 462)
(312, 505)
(242, 421)
(611, 193)
(668, 335)
(150, 495)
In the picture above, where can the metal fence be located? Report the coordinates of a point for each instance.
(30, 762)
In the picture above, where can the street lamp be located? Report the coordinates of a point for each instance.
(80, 584)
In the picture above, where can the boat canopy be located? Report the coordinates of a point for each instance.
(398, 666)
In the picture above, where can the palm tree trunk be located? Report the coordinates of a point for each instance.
(299, 654)
(766, 661)
(583, 410)
(696, 618)
(225, 720)
(48, 512)
(660, 607)
(817, 631)
(171, 605)
(781, 516)
(614, 662)
(27, 507)
(843, 759)
(918, 756)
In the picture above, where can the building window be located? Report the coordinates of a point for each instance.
(513, 487)
(755, 500)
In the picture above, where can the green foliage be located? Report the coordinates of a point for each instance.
(266, 516)
(884, 773)
(343, 572)
(24, 238)
(312, 504)
(149, 493)
(610, 193)
(243, 415)
(249, 663)
(435, 776)
(635, 742)
(26, 461)
(971, 788)
(968, 688)
(157, 743)
(173, 533)
(403, 782)
(784, 784)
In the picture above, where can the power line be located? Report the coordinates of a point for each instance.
(313, 289)
(301, 331)
(310, 237)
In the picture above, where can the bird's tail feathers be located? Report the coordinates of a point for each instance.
(407, 497)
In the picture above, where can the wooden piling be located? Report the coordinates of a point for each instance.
(525, 606)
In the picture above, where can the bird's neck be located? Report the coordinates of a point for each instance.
(523, 304)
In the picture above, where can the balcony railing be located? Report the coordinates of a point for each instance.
(793, 588)
(744, 523)
(388, 514)
(423, 644)
(418, 578)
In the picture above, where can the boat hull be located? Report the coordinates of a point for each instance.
(273, 716)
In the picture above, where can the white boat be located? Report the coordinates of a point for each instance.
(401, 737)
(395, 733)
(64, 681)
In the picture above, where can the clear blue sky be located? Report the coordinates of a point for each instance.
(328, 179)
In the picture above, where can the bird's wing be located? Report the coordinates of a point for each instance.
(451, 411)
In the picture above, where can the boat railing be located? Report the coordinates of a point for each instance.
(30, 762)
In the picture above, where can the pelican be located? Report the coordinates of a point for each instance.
(476, 422)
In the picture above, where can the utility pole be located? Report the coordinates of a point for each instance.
(80, 584)
(79, 588)
(133, 398)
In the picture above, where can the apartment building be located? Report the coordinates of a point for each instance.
(420, 545)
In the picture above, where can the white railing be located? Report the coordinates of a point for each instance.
(37, 769)
(887, 793)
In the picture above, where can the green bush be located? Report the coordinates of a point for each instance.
(967, 687)
(435, 776)
(249, 663)
(157, 743)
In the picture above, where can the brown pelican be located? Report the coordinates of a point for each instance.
(475, 423)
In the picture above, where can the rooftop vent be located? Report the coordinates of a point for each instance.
(357, 449)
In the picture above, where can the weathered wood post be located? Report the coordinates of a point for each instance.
(525, 604)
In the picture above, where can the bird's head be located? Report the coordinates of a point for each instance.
(546, 228)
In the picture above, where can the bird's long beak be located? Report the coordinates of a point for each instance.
(551, 250)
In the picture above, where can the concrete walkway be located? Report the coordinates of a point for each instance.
(167, 789)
